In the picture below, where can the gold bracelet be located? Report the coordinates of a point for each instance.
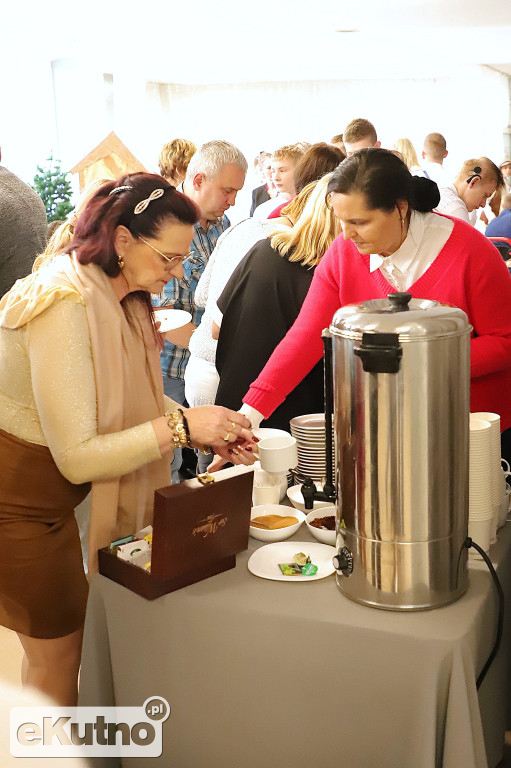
(181, 433)
(175, 422)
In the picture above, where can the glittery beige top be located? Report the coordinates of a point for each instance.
(48, 396)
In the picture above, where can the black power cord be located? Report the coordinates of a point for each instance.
(500, 620)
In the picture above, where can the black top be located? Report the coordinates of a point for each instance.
(259, 195)
(259, 304)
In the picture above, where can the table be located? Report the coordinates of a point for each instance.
(263, 673)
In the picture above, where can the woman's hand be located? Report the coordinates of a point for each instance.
(219, 427)
(244, 453)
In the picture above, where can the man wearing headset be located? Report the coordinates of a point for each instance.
(475, 183)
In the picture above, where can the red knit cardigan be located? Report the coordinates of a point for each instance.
(468, 273)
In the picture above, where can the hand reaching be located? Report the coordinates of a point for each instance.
(217, 426)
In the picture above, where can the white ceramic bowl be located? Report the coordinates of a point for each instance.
(278, 534)
(294, 495)
(321, 534)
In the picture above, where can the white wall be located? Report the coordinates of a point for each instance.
(27, 118)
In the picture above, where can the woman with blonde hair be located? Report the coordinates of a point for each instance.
(261, 302)
(62, 236)
(174, 158)
(409, 156)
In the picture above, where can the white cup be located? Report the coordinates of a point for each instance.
(278, 454)
(282, 479)
(265, 494)
(480, 531)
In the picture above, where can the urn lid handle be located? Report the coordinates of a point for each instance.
(399, 301)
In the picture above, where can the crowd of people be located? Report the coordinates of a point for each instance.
(94, 398)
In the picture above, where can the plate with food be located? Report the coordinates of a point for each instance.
(298, 561)
(170, 319)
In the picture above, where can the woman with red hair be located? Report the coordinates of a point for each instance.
(81, 402)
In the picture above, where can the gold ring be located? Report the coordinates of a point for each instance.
(226, 437)
(233, 426)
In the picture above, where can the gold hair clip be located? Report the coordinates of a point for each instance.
(118, 189)
(142, 205)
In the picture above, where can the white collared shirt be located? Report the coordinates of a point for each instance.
(436, 172)
(452, 205)
(427, 235)
(263, 211)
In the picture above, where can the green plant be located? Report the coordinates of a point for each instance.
(54, 187)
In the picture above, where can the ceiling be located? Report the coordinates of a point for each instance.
(211, 41)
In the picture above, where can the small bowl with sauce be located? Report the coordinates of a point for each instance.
(321, 523)
(274, 522)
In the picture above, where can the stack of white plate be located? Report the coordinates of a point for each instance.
(309, 431)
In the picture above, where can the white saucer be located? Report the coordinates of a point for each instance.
(171, 319)
(265, 560)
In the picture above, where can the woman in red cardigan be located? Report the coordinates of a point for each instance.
(391, 242)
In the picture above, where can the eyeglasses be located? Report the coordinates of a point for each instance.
(169, 259)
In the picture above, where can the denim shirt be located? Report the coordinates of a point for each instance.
(179, 293)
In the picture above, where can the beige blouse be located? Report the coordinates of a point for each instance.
(48, 396)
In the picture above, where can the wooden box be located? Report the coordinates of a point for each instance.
(197, 532)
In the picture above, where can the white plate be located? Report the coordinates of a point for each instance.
(264, 432)
(313, 420)
(265, 560)
(171, 319)
(313, 452)
(320, 434)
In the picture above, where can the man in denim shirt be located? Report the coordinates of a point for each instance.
(215, 175)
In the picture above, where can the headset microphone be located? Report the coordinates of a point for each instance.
(475, 175)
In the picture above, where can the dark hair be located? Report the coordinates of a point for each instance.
(319, 159)
(94, 233)
(383, 179)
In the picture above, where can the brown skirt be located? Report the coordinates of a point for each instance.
(43, 588)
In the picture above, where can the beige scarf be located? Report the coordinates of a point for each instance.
(129, 385)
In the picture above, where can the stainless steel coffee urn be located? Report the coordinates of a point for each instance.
(401, 382)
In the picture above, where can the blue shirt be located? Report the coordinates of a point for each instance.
(500, 226)
(179, 293)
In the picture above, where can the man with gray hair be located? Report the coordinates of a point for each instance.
(214, 177)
